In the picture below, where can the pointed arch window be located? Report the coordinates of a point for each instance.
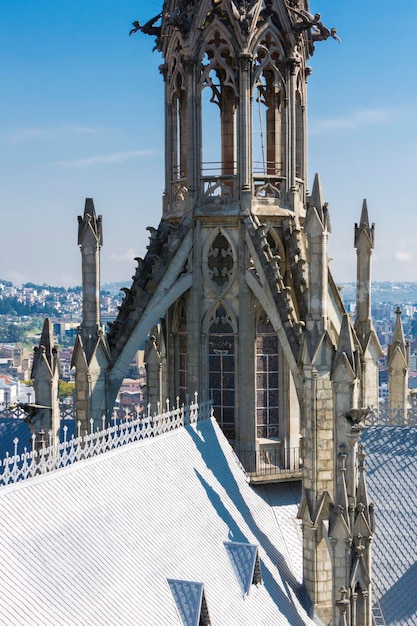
(299, 136)
(267, 144)
(267, 381)
(219, 108)
(268, 119)
(182, 362)
(177, 119)
(221, 349)
(179, 330)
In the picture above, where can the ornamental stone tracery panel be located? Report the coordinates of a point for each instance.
(220, 266)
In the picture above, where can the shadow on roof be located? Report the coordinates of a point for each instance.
(215, 460)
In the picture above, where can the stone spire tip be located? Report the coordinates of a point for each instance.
(89, 207)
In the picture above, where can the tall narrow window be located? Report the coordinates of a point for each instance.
(222, 372)
(182, 362)
(259, 125)
(211, 126)
(267, 376)
(299, 172)
(218, 112)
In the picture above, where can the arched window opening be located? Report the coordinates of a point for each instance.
(267, 126)
(179, 136)
(259, 116)
(267, 381)
(182, 362)
(211, 127)
(179, 353)
(359, 605)
(218, 117)
(221, 348)
(177, 118)
(277, 248)
(299, 139)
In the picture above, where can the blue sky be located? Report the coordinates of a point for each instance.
(81, 115)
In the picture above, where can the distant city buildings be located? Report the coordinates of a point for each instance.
(64, 307)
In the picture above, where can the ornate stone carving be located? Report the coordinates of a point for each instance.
(220, 263)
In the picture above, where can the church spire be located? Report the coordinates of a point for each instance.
(398, 362)
(364, 244)
(90, 240)
(46, 372)
(398, 340)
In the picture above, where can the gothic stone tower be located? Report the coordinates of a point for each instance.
(238, 270)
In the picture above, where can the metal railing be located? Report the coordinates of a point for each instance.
(17, 467)
(271, 461)
(385, 416)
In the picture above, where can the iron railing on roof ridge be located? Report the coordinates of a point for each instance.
(384, 416)
(17, 467)
(16, 411)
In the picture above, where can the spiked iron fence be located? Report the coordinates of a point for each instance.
(17, 467)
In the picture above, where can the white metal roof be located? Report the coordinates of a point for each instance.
(97, 542)
(392, 484)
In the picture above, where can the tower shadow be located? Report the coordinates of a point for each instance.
(216, 462)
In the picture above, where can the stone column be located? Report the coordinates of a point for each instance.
(246, 413)
(245, 130)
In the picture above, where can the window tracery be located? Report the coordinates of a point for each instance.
(221, 349)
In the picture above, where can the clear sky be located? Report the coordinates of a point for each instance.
(81, 115)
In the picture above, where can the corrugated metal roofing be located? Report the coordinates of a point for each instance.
(95, 543)
(392, 484)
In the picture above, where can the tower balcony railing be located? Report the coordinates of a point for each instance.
(271, 463)
(269, 187)
(218, 182)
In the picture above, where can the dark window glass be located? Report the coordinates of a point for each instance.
(222, 373)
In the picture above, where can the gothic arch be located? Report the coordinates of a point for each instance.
(268, 56)
(210, 316)
(218, 127)
(216, 30)
(268, 120)
(277, 248)
(216, 49)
